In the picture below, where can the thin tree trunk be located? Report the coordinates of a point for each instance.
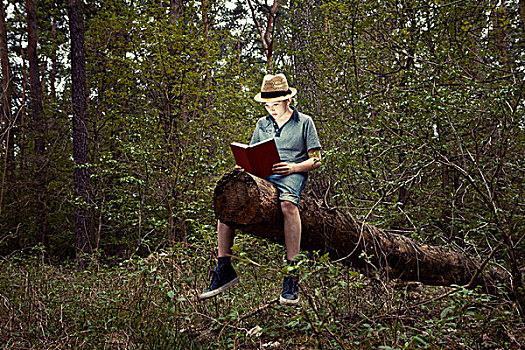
(21, 130)
(176, 10)
(6, 121)
(52, 77)
(250, 204)
(37, 114)
(522, 13)
(266, 33)
(84, 242)
(305, 66)
(6, 72)
(35, 101)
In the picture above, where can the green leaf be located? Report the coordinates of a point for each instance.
(447, 311)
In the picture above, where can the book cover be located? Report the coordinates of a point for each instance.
(257, 159)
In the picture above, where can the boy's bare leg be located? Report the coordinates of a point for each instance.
(292, 229)
(292, 239)
(224, 239)
(224, 276)
(292, 232)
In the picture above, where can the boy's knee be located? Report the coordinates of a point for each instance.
(288, 208)
(222, 227)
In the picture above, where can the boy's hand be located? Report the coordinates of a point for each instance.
(283, 168)
(238, 168)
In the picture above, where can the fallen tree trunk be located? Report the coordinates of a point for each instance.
(250, 204)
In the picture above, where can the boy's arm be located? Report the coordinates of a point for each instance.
(310, 164)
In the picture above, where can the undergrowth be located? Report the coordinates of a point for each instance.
(151, 303)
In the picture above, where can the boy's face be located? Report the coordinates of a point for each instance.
(276, 109)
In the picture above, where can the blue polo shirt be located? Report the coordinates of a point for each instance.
(294, 139)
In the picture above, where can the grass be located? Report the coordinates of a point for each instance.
(151, 303)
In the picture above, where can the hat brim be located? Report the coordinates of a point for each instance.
(258, 97)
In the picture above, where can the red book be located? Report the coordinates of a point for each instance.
(257, 159)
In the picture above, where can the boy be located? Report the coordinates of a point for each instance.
(300, 152)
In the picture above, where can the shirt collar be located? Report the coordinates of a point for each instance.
(294, 117)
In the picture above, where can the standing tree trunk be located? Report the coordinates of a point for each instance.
(54, 64)
(305, 67)
(7, 86)
(37, 116)
(6, 121)
(35, 87)
(250, 204)
(84, 242)
(21, 130)
(522, 13)
(176, 9)
(266, 33)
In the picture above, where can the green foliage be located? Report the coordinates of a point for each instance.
(152, 303)
(419, 107)
(164, 132)
(416, 103)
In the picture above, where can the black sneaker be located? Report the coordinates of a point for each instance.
(223, 277)
(290, 294)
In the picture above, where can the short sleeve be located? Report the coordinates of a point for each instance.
(311, 137)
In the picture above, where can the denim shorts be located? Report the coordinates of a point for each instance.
(290, 186)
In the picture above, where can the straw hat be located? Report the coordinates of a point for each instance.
(275, 88)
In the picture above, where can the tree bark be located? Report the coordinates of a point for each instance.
(84, 241)
(305, 66)
(522, 13)
(35, 87)
(54, 63)
(6, 121)
(37, 116)
(7, 85)
(251, 204)
(266, 33)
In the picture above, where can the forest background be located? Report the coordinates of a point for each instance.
(116, 119)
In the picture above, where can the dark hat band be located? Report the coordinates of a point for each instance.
(273, 94)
